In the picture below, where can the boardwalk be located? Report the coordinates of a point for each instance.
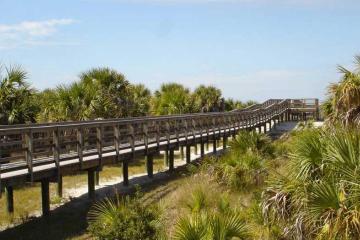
(46, 152)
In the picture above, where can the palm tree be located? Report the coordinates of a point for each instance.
(345, 96)
(172, 98)
(207, 98)
(141, 100)
(110, 93)
(16, 97)
(100, 93)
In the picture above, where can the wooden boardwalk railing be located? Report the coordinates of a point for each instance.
(45, 152)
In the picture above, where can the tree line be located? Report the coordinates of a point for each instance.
(101, 93)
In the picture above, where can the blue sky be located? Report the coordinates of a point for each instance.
(251, 49)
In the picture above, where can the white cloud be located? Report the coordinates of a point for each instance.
(29, 33)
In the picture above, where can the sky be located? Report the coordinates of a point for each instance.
(250, 49)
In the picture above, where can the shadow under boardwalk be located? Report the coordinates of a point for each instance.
(70, 219)
(281, 129)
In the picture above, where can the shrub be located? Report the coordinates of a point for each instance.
(123, 219)
(318, 198)
(241, 170)
(252, 141)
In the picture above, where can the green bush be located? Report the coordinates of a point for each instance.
(318, 197)
(242, 170)
(252, 141)
(123, 219)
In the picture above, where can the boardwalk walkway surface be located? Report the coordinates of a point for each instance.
(45, 152)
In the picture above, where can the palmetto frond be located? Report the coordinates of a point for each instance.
(307, 158)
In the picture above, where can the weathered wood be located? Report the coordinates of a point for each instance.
(29, 153)
(59, 186)
(166, 158)
(202, 148)
(171, 159)
(99, 144)
(150, 165)
(225, 139)
(45, 196)
(182, 152)
(188, 153)
(97, 178)
(117, 142)
(214, 145)
(91, 183)
(9, 193)
(125, 171)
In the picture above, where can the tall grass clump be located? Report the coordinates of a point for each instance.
(204, 221)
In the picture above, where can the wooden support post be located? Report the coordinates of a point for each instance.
(171, 160)
(97, 177)
(150, 165)
(196, 149)
(59, 187)
(91, 184)
(225, 138)
(188, 153)
(9, 192)
(214, 146)
(202, 148)
(45, 197)
(265, 126)
(317, 112)
(125, 169)
(182, 152)
(166, 158)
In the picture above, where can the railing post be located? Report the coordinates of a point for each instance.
(99, 144)
(158, 135)
(29, 153)
(117, 141)
(80, 145)
(56, 153)
(125, 165)
(214, 136)
(166, 153)
(146, 140)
